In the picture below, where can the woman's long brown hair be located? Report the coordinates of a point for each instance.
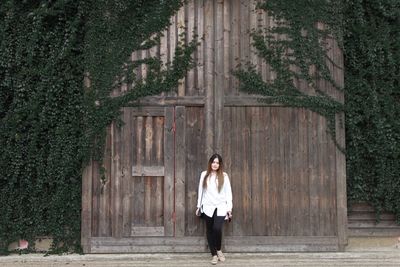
(220, 172)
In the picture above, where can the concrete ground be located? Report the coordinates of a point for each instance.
(364, 252)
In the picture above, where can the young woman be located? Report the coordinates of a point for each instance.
(215, 202)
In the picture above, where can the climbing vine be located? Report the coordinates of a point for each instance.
(51, 124)
(297, 54)
(369, 35)
(372, 82)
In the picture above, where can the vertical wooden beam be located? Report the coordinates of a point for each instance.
(172, 43)
(86, 226)
(253, 17)
(148, 147)
(116, 212)
(105, 188)
(228, 158)
(127, 173)
(227, 47)
(191, 20)
(180, 171)
(180, 30)
(219, 76)
(340, 157)
(313, 172)
(285, 165)
(209, 78)
(341, 185)
(169, 189)
(200, 49)
(256, 149)
(235, 44)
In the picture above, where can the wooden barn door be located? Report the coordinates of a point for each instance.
(148, 193)
(129, 200)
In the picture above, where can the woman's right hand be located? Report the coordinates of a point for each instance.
(198, 212)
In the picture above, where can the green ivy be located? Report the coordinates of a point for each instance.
(300, 45)
(368, 32)
(51, 124)
(372, 81)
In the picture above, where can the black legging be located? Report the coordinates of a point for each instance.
(214, 231)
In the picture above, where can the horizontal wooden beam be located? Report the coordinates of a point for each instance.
(169, 101)
(148, 111)
(147, 230)
(198, 244)
(228, 101)
(148, 170)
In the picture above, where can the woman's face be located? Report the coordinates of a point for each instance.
(215, 164)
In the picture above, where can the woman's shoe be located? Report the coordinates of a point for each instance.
(220, 255)
(214, 260)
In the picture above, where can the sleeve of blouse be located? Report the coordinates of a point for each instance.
(200, 190)
(228, 193)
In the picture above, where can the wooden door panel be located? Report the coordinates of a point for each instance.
(146, 200)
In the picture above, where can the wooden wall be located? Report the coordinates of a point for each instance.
(288, 177)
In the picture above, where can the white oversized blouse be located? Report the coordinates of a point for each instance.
(211, 199)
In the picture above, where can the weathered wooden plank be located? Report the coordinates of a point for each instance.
(266, 166)
(235, 45)
(180, 24)
(138, 182)
(180, 171)
(138, 170)
(283, 190)
(147, 231)
(200, 72)
(162, 101)
(295, 189)
(313, 173)
(236, 174)
(159, 160)
(172, 44)
(147, 200)
(272, 192)
(303, 161)
(219, 75)
(147, 111)
(169, 189)
(198, 244)
(116, 173)
(322, 177)
(153, 192)
(331, 183)
(149, 244)
(341, 196)
(104, 197)
(163, 49)
(253, 26)
(96, 187)
(256, 149)
(248, 100)
(195, 163)
(227, 65)
(373, 232)
(228, 158)
(209, 75)
(261, 26)
(244, 37)
(127, 150)
(86, 223)
(190, 17)
(244, 139)
(138, 208)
